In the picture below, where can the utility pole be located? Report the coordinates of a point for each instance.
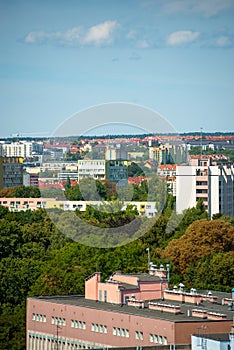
(148, 250)
(57, 336)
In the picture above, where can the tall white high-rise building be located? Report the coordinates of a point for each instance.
(213, 183)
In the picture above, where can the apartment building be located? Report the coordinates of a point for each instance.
(117, 171)
(11, 172)
(24, 149)
(95, 168)
(214, 184)
(126, 310)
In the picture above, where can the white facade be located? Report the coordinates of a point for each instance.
(213, 183)
(208, 343)
(95, 168)
(23, 149)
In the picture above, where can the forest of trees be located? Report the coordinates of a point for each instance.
(37, 259)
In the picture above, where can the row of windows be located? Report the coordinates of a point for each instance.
(58, 321)
(35, 340)
(121, 332)
(86, 163)
(78, 324)
(99, 328)
(91, 170)
(158, 339)
(39, 317)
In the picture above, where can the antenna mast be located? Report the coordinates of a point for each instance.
(201, 142)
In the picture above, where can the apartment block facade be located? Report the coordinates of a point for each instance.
(95, 168)
(214, 184)
(24, 149)
(11, 172)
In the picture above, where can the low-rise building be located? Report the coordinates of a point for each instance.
(126, 310)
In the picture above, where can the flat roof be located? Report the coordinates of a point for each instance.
(142, 277)
(219, 337)
(186, 308)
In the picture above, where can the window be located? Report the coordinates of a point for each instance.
(38, 317)
(58, 321)
(158, 339)
(98, 328)
(78, 324)
(121, 332)
(139, 335)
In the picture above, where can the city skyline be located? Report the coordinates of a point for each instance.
(174, 57)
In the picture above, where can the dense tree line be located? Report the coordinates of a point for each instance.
(38, 259)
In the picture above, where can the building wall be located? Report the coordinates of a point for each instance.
(109, 292)
(91, 286)
(185, 187)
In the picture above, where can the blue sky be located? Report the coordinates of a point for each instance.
(60, 57)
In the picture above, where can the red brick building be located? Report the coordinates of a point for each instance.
(126, 310)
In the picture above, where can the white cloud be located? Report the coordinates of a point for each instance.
(182, 37)
(206, 8)
(34, 37)
(100, 34)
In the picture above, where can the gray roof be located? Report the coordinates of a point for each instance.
(142, 277)
(146, 312)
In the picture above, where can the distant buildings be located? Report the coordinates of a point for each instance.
(144, 208)
(169, 153)
(214, 184)
(126, 310)
(11, 172)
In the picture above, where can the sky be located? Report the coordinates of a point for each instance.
(60, 57)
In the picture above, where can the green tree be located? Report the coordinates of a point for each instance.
(67, 185)
(200, 239)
